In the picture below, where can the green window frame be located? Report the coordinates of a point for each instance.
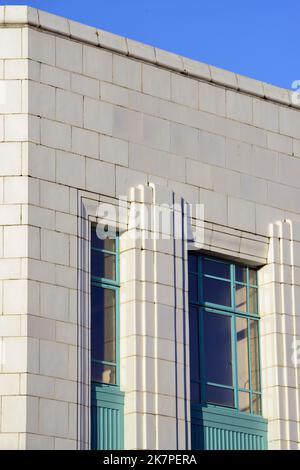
(223, 300)
(107, 400)
(105, 278)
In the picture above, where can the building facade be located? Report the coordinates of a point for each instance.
(181, 329)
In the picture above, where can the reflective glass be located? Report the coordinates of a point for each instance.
(103, 327)
(108, 244)
(216, 268)
(103, 265)
(256, 404)
(195, 393)
(241, 274)
(194, 343)
(193, 287)
(242, 352)
(217, 348)
(253, 307)
(216, 291)
(244, 402)
(219, 396)
(232, 298)
(254, 347)
(241, 297)
(103, 373)
(253, 277)
(193, 263)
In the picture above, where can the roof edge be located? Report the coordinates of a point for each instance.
(26, 15)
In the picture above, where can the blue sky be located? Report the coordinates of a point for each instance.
(258, 38)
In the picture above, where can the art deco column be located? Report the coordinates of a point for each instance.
(154, 323)
(280, 336)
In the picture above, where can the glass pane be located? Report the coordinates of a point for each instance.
(193, 263)
(109, 271)
(219, 396)
(253, 307)
(194, 343)
(216, 268)
(97, 263)
(241, 274)
(254, 347)
(103, 327)
(217, 292)
(103, 373)
(217, 348)
(244, 402)
(103, 265)
(193, 287)
(241, 297)
(253, 277)
(256, 404)
(195, 393)
(106, 244)
(242, 352)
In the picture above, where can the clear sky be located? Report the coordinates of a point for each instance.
(258, 38)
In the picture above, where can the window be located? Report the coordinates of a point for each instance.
(104, 309)
(224, 334)
(107, 400)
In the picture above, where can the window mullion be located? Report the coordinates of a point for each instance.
(202, 362)
(259, 365)
(250, 364)
(117, 313)
(117, 317)
(118, 260)
(248, 293)
(234, 338)
(200, 293)
(202, 374)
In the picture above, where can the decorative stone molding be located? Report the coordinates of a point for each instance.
(236, 244)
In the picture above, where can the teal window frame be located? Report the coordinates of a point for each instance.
(107, 400)
(113, 284)
(233, 313)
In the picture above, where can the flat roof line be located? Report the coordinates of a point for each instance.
(25, 15)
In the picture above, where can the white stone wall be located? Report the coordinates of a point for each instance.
(18, 352)
(91, 114)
